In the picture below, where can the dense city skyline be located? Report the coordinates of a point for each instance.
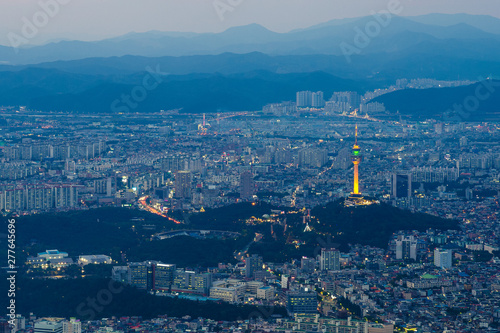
(249, 166)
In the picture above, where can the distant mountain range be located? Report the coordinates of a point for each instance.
(482, 22)
(379, 67)
(471, 35)
(246, 67)
(50, 90)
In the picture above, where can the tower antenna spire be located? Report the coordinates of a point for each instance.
(356, 135)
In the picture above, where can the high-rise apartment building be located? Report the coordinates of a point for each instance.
(38, 197)
(183, 184)
(247, 185)
(406, 248)
(252, 264)
(309, 98)
(330, 260)
(318, 100)
(304, 98)
(443, 258)
(349, 99)
(312, 157)
(401, 186)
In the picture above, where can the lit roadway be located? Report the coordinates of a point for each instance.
(294, 196)
(231, 115)
(326, 170)
(150, 209)
(241, 254)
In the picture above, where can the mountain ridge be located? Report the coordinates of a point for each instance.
(320, 39)
(447, 104)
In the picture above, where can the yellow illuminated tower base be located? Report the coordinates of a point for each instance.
(356, 180)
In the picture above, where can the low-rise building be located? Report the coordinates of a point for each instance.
(94, 259)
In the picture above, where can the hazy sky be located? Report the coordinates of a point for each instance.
(97, 19)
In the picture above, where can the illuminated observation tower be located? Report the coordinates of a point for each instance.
(356, 199)
(356, 159)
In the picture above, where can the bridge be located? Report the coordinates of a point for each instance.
(196, 234)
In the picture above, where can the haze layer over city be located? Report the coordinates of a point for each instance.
(249, 166)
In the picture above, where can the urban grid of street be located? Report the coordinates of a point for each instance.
(292, 157)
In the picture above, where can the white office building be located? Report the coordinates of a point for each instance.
(230, 291)
(49, 325)
(94, 259)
